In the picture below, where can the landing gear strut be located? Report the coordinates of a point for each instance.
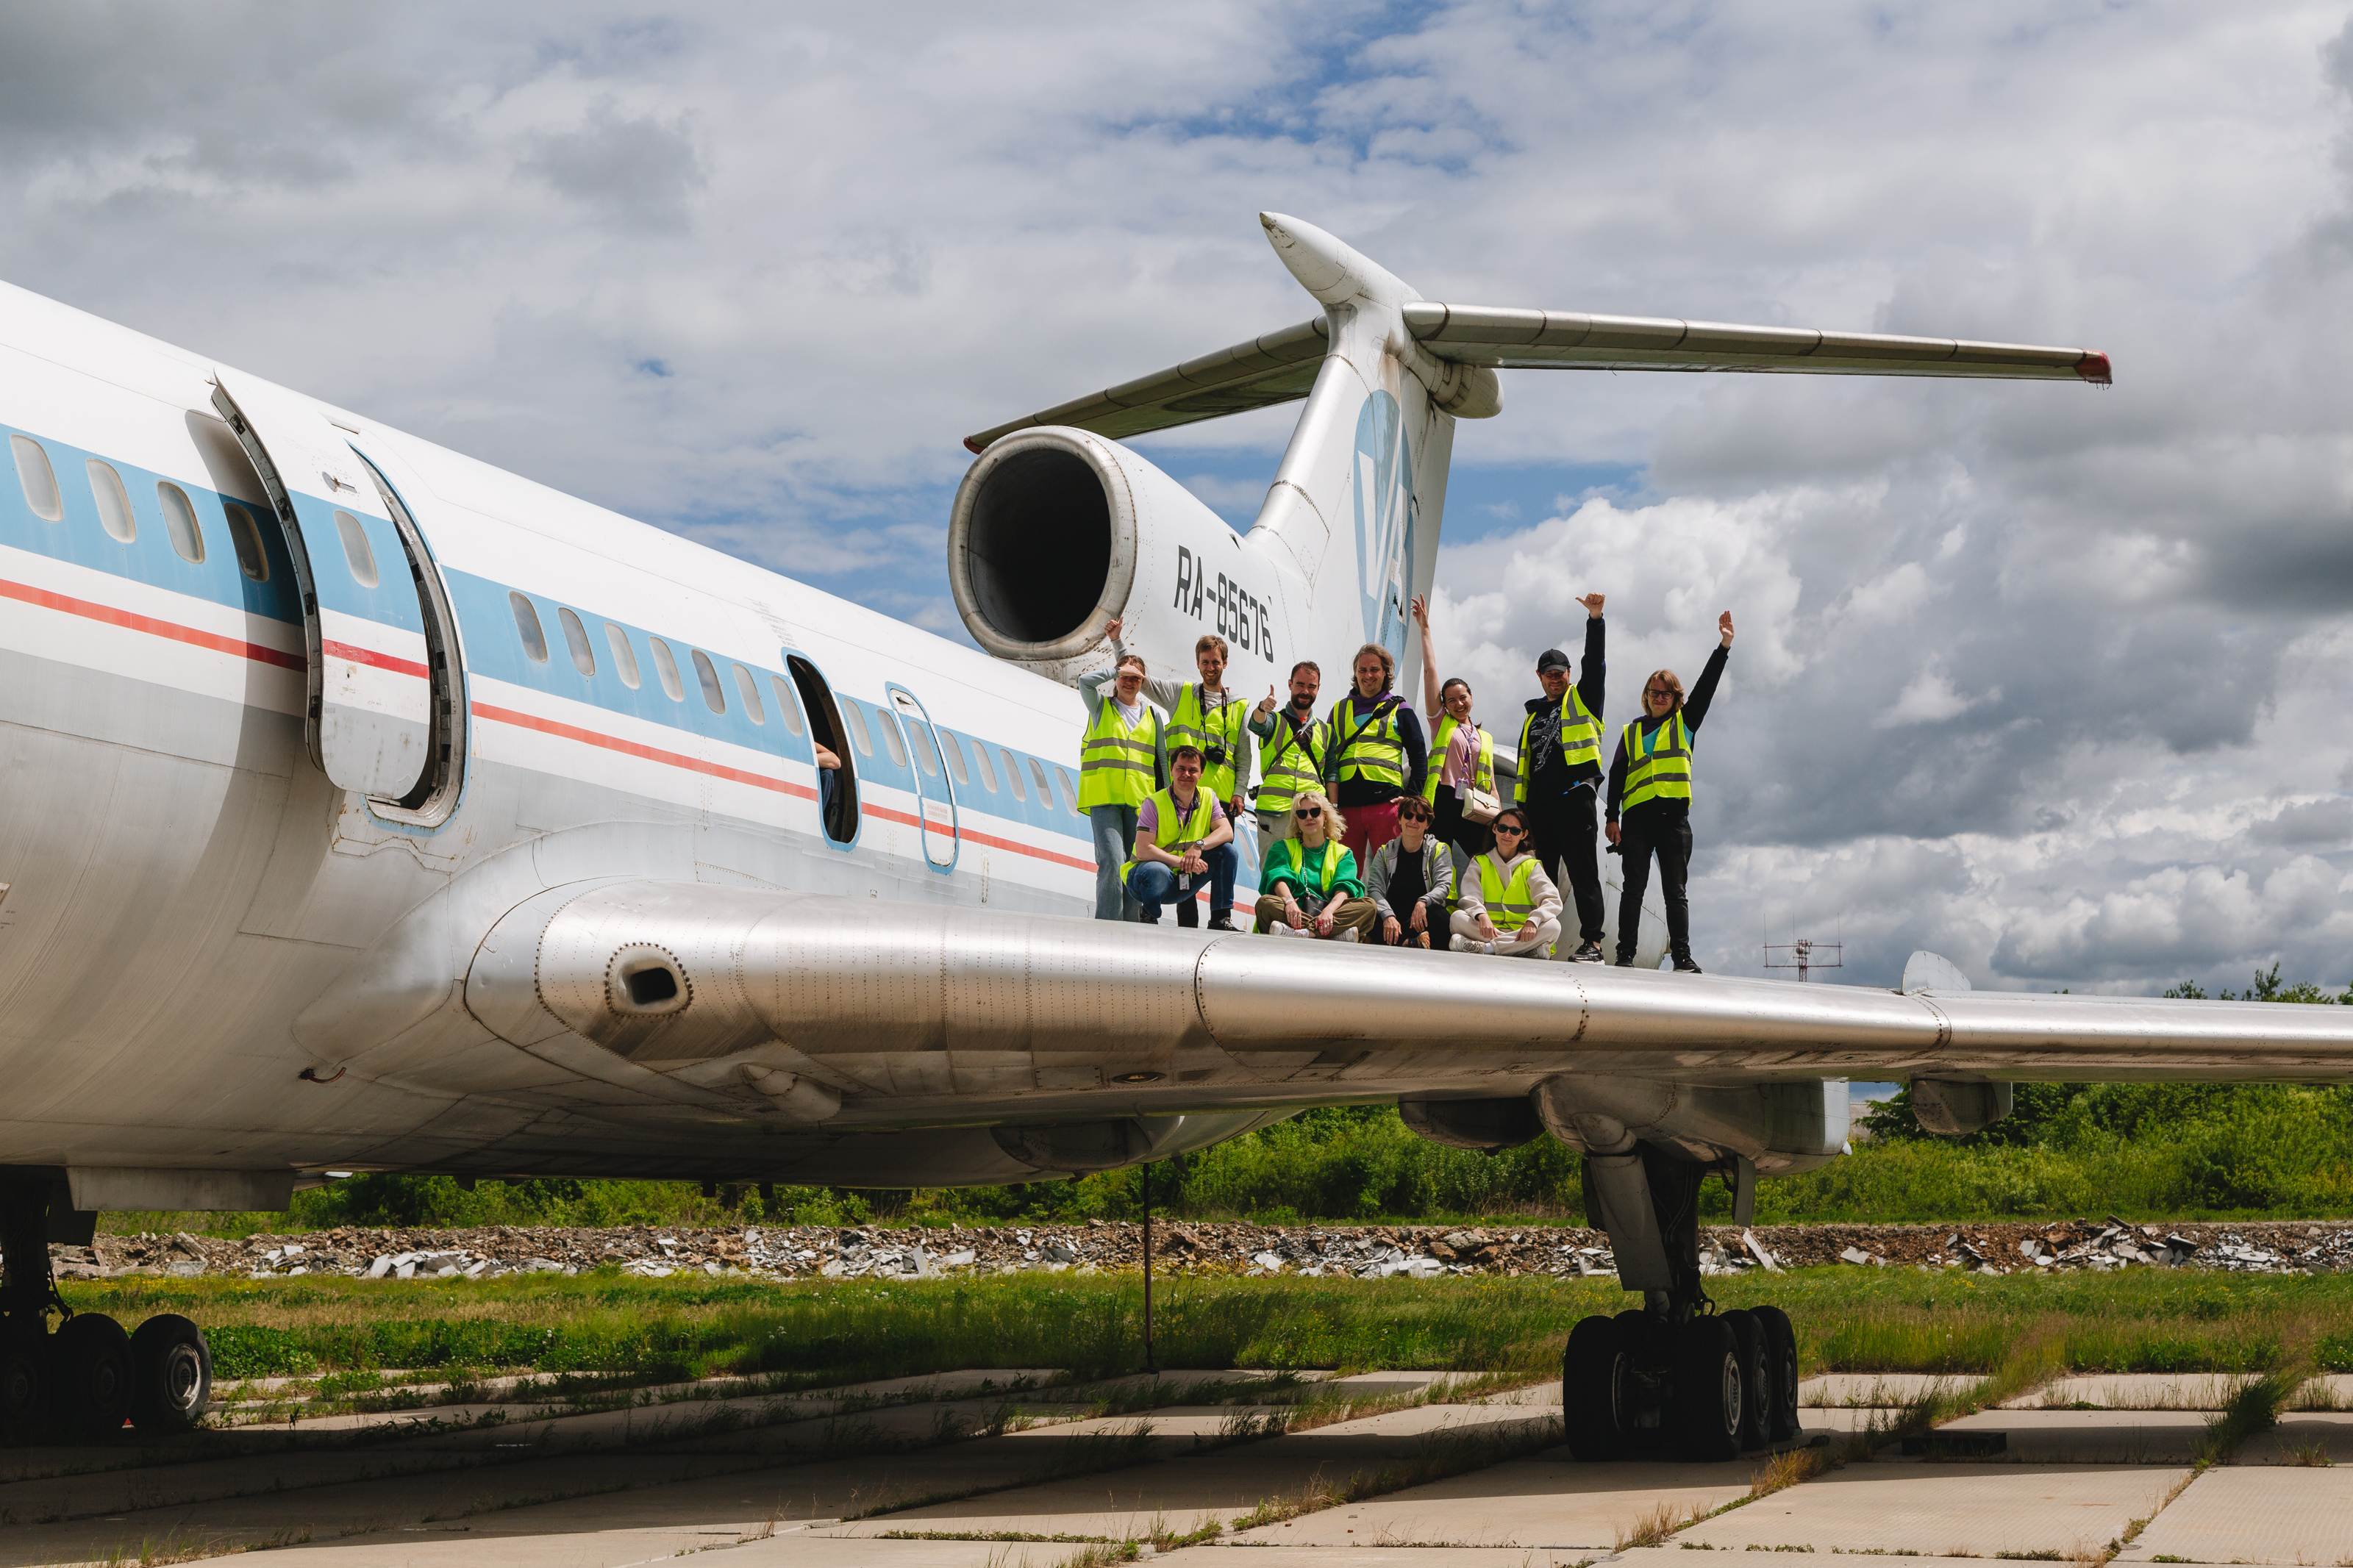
(1676, 1375)
(85, 1378)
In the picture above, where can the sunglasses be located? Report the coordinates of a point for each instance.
(1413, 816)
(1507, 827)
(1309, 811)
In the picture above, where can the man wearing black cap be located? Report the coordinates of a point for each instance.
(1560, 775)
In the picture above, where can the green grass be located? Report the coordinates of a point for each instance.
(824, 1331)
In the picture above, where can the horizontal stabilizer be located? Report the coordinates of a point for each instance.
(1279, 367)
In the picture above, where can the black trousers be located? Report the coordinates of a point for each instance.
(1563, 828)
(1640, 835)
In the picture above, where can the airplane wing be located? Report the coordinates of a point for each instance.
(1281, 366)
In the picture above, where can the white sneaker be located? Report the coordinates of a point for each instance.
(1460, 945)
(1348, 934)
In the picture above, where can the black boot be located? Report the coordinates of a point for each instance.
(1625, 958)
(1221, 919)
(1188, 912)
(1683, 964)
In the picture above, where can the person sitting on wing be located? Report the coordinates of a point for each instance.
(1506, 905)
(1176, 832)
(1204, 714)
(1309, 887)
(1411, 879)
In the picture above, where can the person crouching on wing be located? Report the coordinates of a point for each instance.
(1411, 879)
(1293, 758)
(1309, 887)
(1119, 767)
(1177, 832)
(1376, 748)
(1649, 779)
(1203, 715)
(1560, 774)
(1462, 755)
(1506, 905)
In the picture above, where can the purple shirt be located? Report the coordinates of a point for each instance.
(1148, 816)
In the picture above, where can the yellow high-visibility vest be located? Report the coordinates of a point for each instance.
(1509, 904)
(1287, 854)
(1483, 772)
(1174, 830)
(1196, 724)
(1288, 763)
(1118, 765)
(1580, 739)
(1658, 766)
(1373, 752)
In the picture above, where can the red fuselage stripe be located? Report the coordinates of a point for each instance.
(89, 610)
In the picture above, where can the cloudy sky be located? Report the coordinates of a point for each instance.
(2056, 681)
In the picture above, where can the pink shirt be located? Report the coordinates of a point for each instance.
(1461, 766)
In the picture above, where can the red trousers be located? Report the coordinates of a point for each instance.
(1368, 827)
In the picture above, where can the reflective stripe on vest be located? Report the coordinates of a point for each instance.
(1118, 765)
(1509, 905)
(1172, 830)
(1658, 766)
(1580, 740)
(1220, 726)
(1483, 772)
(1375, 754)
(1289, 855)
(1291, 763)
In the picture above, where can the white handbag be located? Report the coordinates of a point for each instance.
(1480, 806)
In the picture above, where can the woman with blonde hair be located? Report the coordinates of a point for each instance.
(1377, 752)
(1650, 783)
(1309, 886)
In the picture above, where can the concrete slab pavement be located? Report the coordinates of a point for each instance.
(1946, 1509)
(2255, 1514)
(2093, 1437)
(2302, 1438)
(1882, 1389)
(2133, 1391)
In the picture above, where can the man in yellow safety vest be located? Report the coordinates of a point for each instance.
(1560, 772)
(1120, 764)
(1292, 761)
(1649, 781)
(1176, 831)
(1213, 720)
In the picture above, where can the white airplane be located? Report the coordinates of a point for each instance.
(369, 807)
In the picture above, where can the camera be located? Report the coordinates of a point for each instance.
(1213, 756)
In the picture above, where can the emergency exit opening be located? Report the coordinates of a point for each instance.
(837, 787)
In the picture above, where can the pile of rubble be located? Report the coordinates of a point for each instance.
(1363, 1252)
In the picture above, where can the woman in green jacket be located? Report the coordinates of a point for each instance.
(1309, 886)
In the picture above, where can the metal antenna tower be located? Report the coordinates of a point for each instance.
(1805, 955)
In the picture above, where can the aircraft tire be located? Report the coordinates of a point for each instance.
(1591, 1377)
(171, 1369)
(1705, 1415)
(1755, 1380)
(23, 1387)
(1781, 1356)
(91, 1355)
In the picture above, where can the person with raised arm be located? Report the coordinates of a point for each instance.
(1177, 832)
(1309, 887)
(1507, 906)
(1560, 774)
(1293, 758)
(1205, 715)
(1462, 754)
(1120, 764)
(1650, 783)
(1377, 752)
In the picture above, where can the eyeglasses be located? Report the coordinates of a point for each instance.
(1656, 692)
(1309, 811)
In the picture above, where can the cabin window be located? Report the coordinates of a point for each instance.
(1012, 773)
(575, 637)
(666, 665)
(714, 696)
(625, 657)
(179, 522)
(749, 690)
(1070, 801)
(113, 501)
(898, 748)
(1045, 790)
(955, 759)
(251, 558)
(988, 769)
(857, 728)
(927, 756)
(38, 479)
(361, 559)
(786, 708)
(534, 641)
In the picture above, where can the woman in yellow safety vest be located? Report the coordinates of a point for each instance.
(1506, 905)
(1649, 781)
(1119, 767)
(1462, 754)
(1309, 885)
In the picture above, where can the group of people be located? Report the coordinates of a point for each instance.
(1372, 831)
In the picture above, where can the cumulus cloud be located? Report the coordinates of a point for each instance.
(2047, 679)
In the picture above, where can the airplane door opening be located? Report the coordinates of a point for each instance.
(837, 787)
(370, 719)
(435, 795)
(930, 782)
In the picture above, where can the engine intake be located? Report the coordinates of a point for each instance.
(1042, 544)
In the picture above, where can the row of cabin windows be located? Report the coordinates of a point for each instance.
(39, 480)
(576, 642)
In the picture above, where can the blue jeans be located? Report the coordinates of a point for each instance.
(1225, 860)
(1152, 885)
(1114, 836)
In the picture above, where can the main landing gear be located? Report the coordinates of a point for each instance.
(83, 1380)
(1676, 1377)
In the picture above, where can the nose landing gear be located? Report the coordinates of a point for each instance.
(83, 1380)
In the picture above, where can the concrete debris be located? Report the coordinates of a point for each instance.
(1362, 1252)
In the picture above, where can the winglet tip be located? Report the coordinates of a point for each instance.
(2095, 368)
